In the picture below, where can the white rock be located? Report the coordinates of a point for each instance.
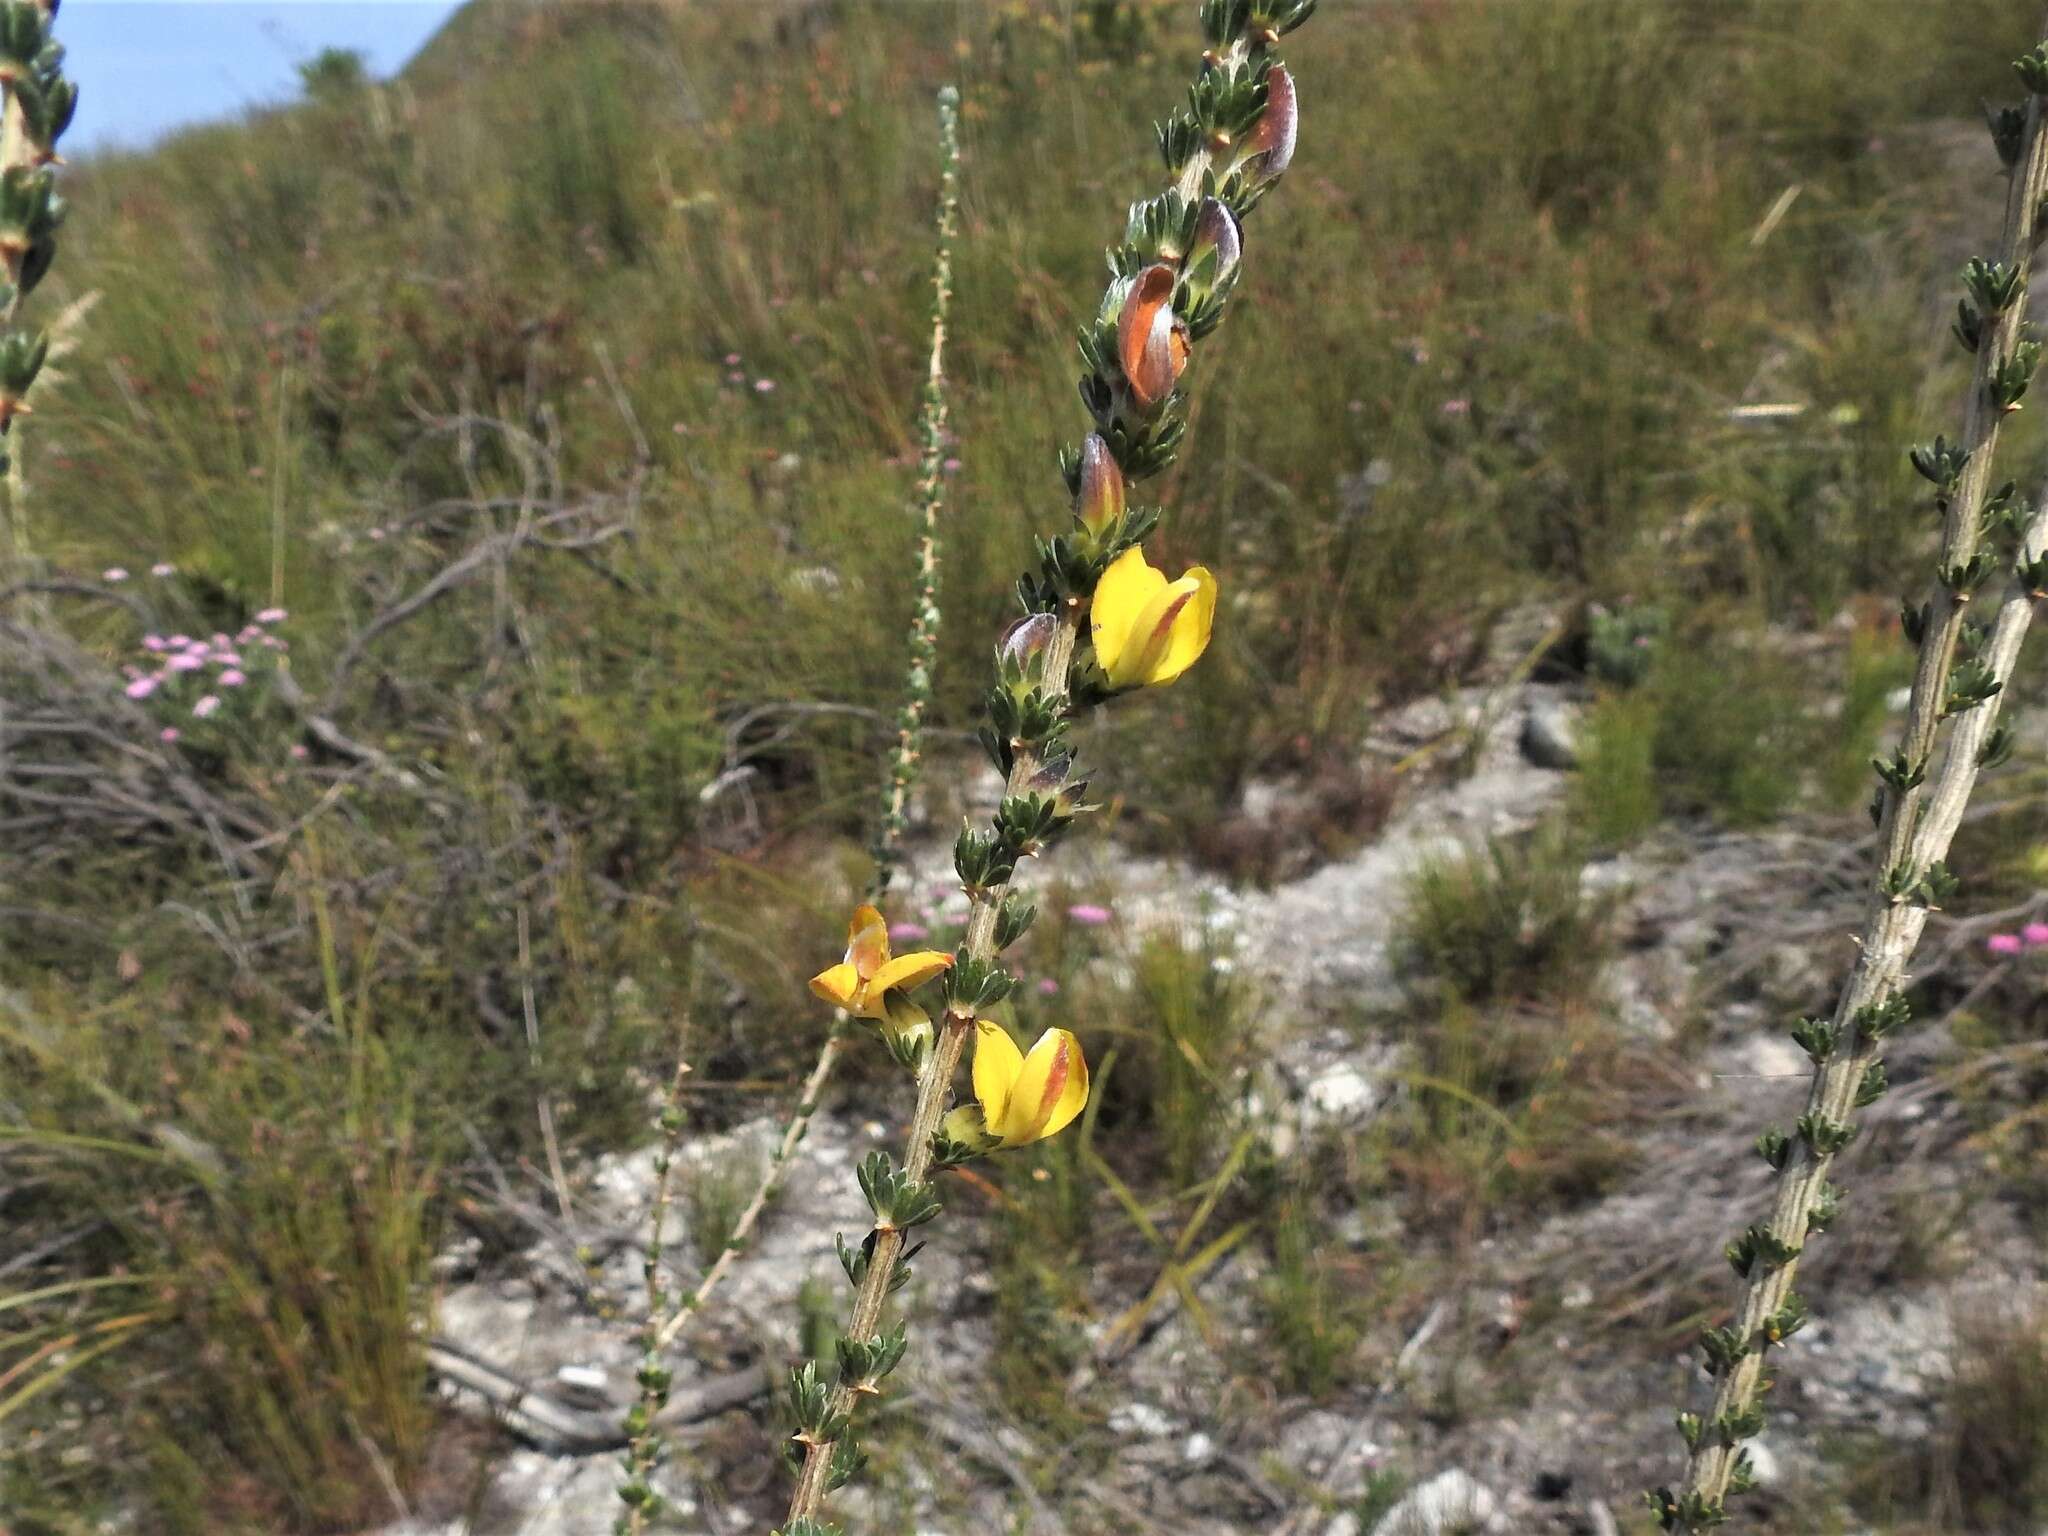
(586, 1378)
(1550, 734)
(1140, 1419)
(1449, 1504)
(1773, 1055)
(1341, 1094)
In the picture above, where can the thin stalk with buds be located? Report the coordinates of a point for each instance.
(907, 757)
(1960, 676)
(666, 1316)
(1099, 621)
(653, 1378)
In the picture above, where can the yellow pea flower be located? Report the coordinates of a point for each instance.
(871, 984)
(1148, 630)
(1027, 1098)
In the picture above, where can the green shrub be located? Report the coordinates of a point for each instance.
(1724, 727)
(1313, 1312)
(1615, 798)
(1508, 920)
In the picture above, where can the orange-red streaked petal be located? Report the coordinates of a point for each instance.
(867, 941)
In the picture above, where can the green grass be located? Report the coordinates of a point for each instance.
(1718, 724)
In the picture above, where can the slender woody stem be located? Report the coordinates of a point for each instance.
(933, 1086)
(1917, 822)
(643, 1443)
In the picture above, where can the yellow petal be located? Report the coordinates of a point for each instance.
(1120, 597)
(838, 985)
(908, 972)
(1189, 636)
(1152, 632)
(1049, 1091)
(867, 941)
(997, 1061)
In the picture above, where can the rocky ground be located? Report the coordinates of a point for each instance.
(1564, 1343)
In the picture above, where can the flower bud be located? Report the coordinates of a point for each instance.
(967, 1126)
(1024, 642)
(1214, 252)
(1099, 503)
(1267, 149)
(1152, 344)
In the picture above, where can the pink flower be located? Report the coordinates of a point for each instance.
(114, 573)
(908, 932)
(2003, 944)
(141, 688)
(232, 678)
(732, 359)
(1456, 407)
(185, 661)
(1047, 987)
(764, 386)
(1088, 915)
(207, 704)
(168, 733)
(163, 568)
(298, 750)
(951, 466)
(181, 641)
(271, 642)
(225, 658)
(272, 616)
(246, 633)
(153, 642)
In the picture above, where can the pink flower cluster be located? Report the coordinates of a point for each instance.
(178, 655)
(2033, 936)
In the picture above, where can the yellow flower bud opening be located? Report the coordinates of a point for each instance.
(870, 983)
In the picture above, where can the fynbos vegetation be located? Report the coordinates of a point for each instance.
(472, 551)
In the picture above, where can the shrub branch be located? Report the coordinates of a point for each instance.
(1958, 682)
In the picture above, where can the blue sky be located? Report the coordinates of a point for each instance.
(144, 67)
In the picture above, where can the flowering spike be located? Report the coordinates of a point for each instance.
(1142, 629)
